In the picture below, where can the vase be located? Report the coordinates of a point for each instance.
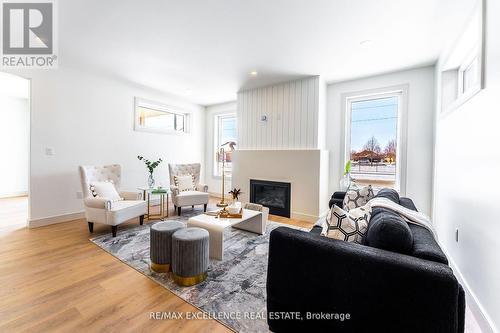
(151, 181)
(345, 182)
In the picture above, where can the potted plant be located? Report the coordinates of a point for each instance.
(236, 205)
(151, 166)
(346, 180)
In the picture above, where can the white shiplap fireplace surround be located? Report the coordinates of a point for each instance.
(281, 135)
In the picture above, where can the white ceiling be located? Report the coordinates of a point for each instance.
(205, 49)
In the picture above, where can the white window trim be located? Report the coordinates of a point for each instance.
(216, 123)
(402, 127)
(142, 102)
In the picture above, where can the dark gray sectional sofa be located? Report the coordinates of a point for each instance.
(318, 284)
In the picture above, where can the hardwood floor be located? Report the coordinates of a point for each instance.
(54, 279)
(13, 213)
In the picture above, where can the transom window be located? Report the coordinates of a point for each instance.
(156, 117)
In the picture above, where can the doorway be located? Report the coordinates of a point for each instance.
(14, 151)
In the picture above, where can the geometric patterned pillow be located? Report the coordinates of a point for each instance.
(357, 197)
(347, 226)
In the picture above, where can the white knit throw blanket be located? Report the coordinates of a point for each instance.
(409, 215)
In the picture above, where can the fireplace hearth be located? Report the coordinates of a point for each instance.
(274, 195)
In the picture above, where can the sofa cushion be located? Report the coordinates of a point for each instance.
(390, 194)
(387, 230)
(425, 246)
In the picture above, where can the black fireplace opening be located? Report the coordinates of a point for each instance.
(274, 195)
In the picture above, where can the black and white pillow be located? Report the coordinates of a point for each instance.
(347, 226)
(357, 197)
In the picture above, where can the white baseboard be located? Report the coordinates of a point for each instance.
(481, 316)
(40, 222)
(304, 217)
(13, 194)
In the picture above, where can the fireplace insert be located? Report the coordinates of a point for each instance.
(274, 195)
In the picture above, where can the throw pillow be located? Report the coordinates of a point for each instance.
(185, 183)
(348, 226)
(357, 197)
(105, 190)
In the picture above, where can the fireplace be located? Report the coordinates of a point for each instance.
(274, 195)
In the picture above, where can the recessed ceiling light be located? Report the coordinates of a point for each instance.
(254, 73)
(366, 42)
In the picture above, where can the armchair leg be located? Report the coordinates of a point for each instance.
(205, 207)
(192, 206)
(179, 211)
(114, 228)
(91, 227)
(141, 219)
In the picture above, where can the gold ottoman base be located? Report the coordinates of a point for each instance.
(190, 280)
(160, 268)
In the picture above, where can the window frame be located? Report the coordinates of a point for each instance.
(401, 91)
(217, 120)
(160, 107)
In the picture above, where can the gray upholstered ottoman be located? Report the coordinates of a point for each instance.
(190, 256)
(160, 248)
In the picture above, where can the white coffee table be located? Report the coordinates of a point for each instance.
(250, 221)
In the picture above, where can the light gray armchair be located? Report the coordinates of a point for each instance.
(103, 210)
(197, 196)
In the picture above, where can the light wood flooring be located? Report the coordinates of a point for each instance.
(54, 279)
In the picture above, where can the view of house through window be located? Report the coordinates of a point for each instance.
(374, 139)
(225, 132)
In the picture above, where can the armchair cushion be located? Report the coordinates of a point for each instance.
(190, 198)
(125, 210)
(101, 203)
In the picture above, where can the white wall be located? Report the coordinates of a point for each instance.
(214, 182)
(420, 128)
(88, 119)
(467, 162)
(14, 135)
(292, 111)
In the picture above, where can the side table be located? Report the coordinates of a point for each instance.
(148, 193)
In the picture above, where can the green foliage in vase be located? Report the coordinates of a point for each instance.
(347, 168)
(150, 165)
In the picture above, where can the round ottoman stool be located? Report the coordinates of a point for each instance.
(190, 256)
(160, 247)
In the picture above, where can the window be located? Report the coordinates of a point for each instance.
(155, 117)
(225, 131)
(373, 138)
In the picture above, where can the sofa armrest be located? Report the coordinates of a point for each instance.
(131, 195)
(380, 290)
(97, 203)
(202, 187)
(339, 195)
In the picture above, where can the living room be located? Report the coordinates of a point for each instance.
(251, 166)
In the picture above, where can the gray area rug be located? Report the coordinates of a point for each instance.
(235, 285)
